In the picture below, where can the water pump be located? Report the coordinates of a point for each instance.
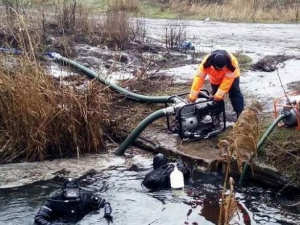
(199, 120)
(289, 105)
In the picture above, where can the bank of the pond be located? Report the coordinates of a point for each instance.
(20, 174)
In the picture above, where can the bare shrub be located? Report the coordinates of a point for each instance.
(117, 29)
(72, 18)
(139, 30)
(175, 34)
(12, 7)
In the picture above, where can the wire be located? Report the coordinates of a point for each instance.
(281, 84)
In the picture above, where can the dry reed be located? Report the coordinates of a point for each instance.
(40, 117)
(250, 10)
(243, 140)
(228, 203)
(123, 5)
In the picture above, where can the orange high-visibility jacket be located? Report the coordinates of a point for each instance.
(224, 77)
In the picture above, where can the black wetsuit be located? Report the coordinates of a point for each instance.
(159, 178)
(58, 210)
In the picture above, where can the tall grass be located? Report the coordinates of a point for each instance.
(251, 10)
(123, 5)
(41, 117)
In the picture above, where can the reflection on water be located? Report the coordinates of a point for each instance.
(132, 204)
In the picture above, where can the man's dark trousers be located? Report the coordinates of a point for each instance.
(235, 95)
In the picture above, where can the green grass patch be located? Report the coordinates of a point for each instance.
(150, 10)
(244, 61)
(282, 150)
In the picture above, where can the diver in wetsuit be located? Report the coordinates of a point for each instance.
(71, 205)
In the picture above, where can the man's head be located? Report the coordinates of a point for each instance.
(219, 61)
(159, 160)
(71, 189)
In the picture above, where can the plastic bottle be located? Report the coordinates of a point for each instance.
(176, 178)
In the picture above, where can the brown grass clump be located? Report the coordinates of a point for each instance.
(41, 117)
(244, 137)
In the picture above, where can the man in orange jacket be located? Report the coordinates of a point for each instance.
(224, 73)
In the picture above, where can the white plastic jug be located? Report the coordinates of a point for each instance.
(176, 178)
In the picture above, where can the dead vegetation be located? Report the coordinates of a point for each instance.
(58, 25)
(270, 63)
(41, 117)
(255, 10)
(117, 29)
(241, 145)
(123, 5)
(228, 207)
(175, 34)
(282, 151)
(242, 142)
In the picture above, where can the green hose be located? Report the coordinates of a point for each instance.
(113, 86)
(139, 129)
(261, 142)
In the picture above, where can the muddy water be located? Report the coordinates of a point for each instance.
(132, 204)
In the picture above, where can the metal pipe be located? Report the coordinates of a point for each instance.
(261, 142)
(93, 75)
(142, 125)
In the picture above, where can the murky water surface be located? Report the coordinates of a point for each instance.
(132, 204)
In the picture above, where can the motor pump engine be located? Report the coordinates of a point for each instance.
(199, 120)
(290, 107)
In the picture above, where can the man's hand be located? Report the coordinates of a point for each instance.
(218, 98)
(192, 98)
(108, 217)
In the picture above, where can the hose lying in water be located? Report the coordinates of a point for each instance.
(142, 125)
(93, 75)
(261, 142)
